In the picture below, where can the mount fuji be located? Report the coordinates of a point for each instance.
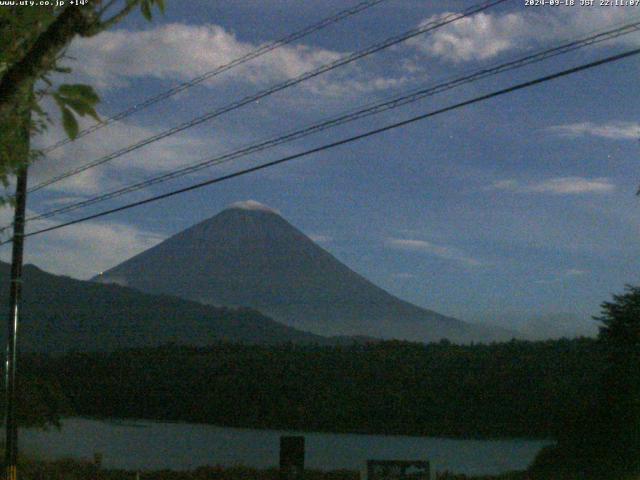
(248, 255)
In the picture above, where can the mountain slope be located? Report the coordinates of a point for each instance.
(248, 255)
(62, 314)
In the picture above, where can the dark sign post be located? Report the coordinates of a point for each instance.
(398, 470)
(291, 458)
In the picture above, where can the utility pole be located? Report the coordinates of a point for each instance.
(15, 292)
(11, 445)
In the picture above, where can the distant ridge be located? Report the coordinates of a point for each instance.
(60, 314)
(249, 255)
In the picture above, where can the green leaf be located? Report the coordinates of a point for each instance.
(69, 123)
(80, 98)
(62, 69)
(93, 114)
(79, 91)
(146, 9)
(82, 108)
(161, 5)
(38, 109)
(78, 106)
(58, 99)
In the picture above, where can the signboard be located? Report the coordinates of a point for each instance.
(291, 458)
(398, 470)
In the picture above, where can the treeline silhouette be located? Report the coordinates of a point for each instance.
(600, 439)
(584, 393)
(513, 389)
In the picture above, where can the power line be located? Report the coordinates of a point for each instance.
(345, 141)
(276, 88)
(349, 117)
(376, 108)
(339, 16)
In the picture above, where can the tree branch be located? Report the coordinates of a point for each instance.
(43, 54)
(104, 25)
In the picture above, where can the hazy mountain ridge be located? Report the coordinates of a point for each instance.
(249, 255)
(543, 326)
(61, 314)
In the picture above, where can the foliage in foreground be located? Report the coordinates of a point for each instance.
(600, 439)
(41, 403)
(33, 47)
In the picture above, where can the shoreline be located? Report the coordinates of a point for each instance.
(134, 423)
(89, 470)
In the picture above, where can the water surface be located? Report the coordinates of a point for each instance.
(141, 445)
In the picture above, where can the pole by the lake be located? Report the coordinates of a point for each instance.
(11, 445)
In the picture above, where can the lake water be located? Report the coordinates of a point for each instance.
(134, 445)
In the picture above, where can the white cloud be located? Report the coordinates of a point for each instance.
(158, 157)
(445, 252)
(504, 185)
(573, 185)
(557, 186)
(613, 131)
(478, 37)
(85, 249)
(567, 23)
(575, 272)
(486, 35)
(547, 282)
(181, 52)
(359, 84)
(570, 273)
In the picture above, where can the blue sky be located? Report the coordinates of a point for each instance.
(520, 206)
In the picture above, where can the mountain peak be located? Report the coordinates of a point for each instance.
(249, 255)
(252, 205)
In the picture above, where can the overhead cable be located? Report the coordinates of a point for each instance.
(376, 131)
(325, 22)
(366, 111)
(424, 28)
